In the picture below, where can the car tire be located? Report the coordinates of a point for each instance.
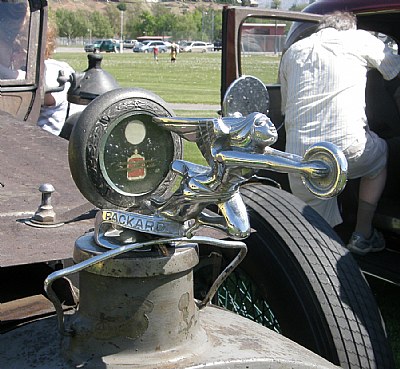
(311, 283)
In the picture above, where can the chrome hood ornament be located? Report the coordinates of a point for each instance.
(235, 148)
(130, 160)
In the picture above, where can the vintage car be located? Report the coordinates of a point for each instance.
(297, 278)
(380, 107)
(283, 28)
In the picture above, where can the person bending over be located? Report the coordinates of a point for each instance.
(323, 79)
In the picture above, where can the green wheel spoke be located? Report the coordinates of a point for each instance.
(239, 295)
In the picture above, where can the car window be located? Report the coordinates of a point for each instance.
(261, 45)
(263, 40)
(14, 23)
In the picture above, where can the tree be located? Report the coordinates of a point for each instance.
(100, 25)
(71, 24)
(112, 13)
(297, 8)
(164, 20)
(159, 20)
(145, 24)
(276, 4)
(121, 7)
(186, 27)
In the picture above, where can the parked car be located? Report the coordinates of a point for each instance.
(89, 47)
(148, 46)
(181, 44)
(217, 45)
(197, 47)
(380, 18)
(108, 46)
(35, 243)
(129, 44)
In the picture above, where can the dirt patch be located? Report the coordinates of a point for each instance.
(73, 5)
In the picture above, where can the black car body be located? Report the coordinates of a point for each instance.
(217, 45)
(383, 19)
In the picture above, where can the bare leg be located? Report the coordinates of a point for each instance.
(370, 192)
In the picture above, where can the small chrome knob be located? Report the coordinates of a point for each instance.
(45, 213)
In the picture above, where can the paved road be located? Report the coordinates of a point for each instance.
(69, 49)
(194, 107)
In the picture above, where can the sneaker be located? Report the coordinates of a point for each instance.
(361, 246)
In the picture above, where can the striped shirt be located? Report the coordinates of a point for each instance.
(323, 79)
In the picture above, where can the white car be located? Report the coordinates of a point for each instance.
(148, 46)
(197, 47)
(129, 44)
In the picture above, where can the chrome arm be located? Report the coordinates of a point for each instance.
(276, 161)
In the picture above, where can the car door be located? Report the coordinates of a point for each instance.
(22, 39)
(253, 43)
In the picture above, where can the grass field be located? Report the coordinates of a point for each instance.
(195, 78)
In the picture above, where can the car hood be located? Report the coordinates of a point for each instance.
(31, 157)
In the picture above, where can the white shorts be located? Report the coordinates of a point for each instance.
(367, 159)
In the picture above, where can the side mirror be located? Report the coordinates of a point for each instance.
(245, 95)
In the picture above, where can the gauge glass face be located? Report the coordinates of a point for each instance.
(135, 132)
(135, 155)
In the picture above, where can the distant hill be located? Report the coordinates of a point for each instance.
(91, 5)
(87, 5)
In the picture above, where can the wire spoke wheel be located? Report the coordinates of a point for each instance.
(239, 294)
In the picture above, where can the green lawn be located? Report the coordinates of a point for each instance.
(194, 78)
